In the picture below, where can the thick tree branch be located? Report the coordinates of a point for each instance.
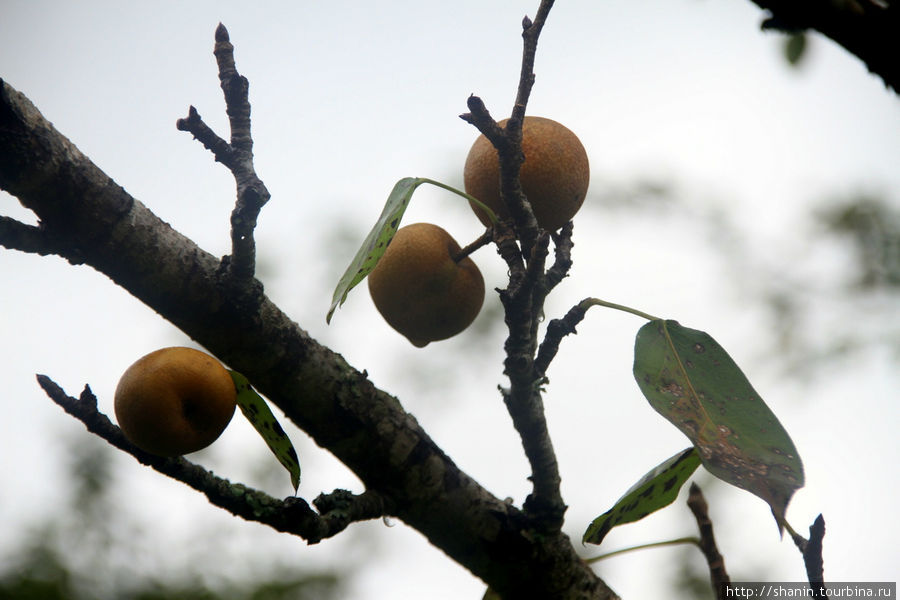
(869, 29)
(292, 515)
(94, 220)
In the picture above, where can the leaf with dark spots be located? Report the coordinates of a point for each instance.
(655, 490)
(255, 409)
(692, 381)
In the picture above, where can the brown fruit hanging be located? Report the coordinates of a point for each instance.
(420, 290)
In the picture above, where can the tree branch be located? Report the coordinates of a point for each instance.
(16, 235)
(563, 244)
(868, 29)
(222, 150)
(717, 574)
(93, 219)
(811, 550)
(524, 296)
(292, 515)
(237, 156)
(557, 329)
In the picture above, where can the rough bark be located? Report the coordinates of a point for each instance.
(87, 218)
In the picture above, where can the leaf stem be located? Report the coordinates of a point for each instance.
(472, 199)
(684, 540)
(588, 302)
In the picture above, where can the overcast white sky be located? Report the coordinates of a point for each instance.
(347, 98)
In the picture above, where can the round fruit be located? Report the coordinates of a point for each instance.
(174, 401)
(420, 290)
(554, 176)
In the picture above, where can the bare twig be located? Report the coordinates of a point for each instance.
(236, 155)
(292, 515)
(719, 577)
(812, 554)
(811, 550)
(563, 244)
(222, 150)
(524, 247)
(557, 329)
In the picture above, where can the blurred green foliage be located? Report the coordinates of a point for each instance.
(872, 226)
(78, 552)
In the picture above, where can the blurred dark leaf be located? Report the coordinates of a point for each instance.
(873, 227)
(795, 48)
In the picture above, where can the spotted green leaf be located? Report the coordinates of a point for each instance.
(257, 412)
(376, 242)
(690, 380)
(655, 490)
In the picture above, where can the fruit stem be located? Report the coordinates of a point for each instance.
(483, 240)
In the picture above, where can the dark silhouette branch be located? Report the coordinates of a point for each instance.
(868, 29)
(557, 329)
(292, 515)
(717, 574)
(812, 554)
(222, 150)
(562, 241)
(237, 156)
(811, 549)
(524, 247)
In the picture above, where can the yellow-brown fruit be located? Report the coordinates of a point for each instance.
(554, 176)
(174, 401)
(420, 290)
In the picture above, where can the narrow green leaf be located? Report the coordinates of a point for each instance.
(376, 242)
(257, 412)
(690, 380)
(655, 490)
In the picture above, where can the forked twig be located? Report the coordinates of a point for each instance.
(237, 155)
